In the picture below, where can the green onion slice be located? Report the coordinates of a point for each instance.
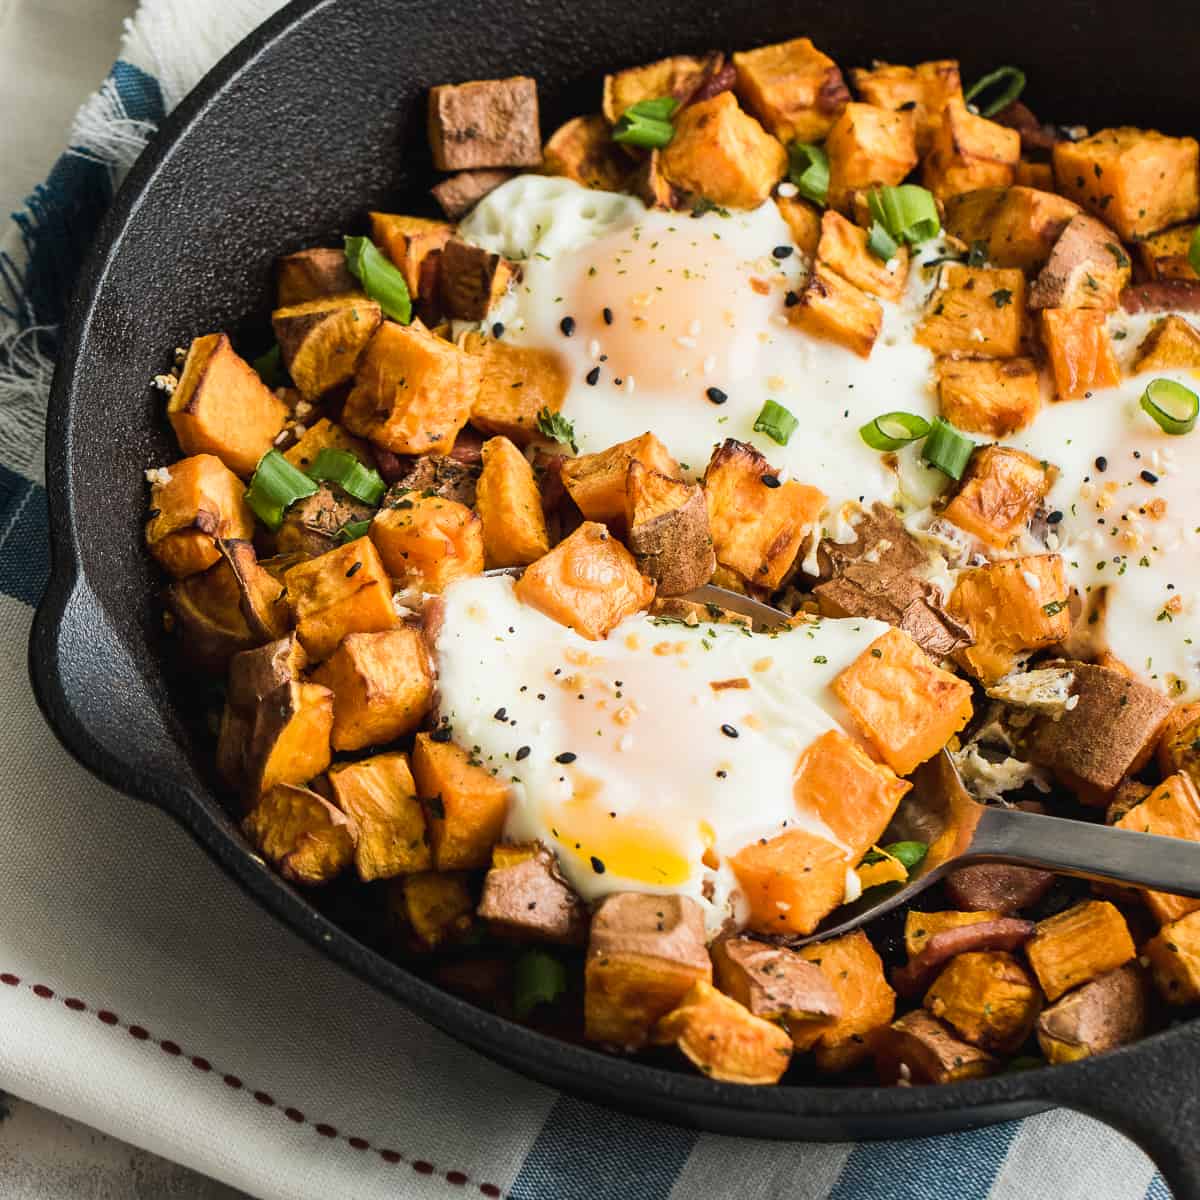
(881, 243)
(342, 468)
(270, 368)
(893, 430)
(776, 422)
(909, 854)
(1010, 82)
(274, 487)
(947, 449)
(1194, 250)
(538, 978)
(381, 279)
(353, 530)
(1173, 407)
(908, 212)
(647, 123)
(808, 169)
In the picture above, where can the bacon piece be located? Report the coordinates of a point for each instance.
(1005, 933)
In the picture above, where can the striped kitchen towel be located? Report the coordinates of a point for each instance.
(142, 993)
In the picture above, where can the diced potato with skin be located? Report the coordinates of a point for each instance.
(596, 482)
(976, 312)
(199, 502)
(588, 582)
(1178, 747)
(1137, 180)
(1018, 226)
(868, 146)
(855, 796)
(773, 982)
(996, 397)
(651, 186)
(322, 340)
(1173, 344)
(428, 541)
(408, 242)
(413, 391)
(906, 707)
(757, 530)
(472, 280)
(465, 803)
(667, 524)
(526, 897)
(723, 1039)
(792, 88)
(289, 737)
(925, 90)
(843, 248)
(379, 795)
(803, 221)
(919, 1049)
(1106, 1013)
(220, 406)
(324, 434)
(1165, 255)
(677, 77)
(1014, 607)
(438, 905)
(1171, 810)
(510, 508)
(583, 150)
(644, 954)
(987, 998)
(516, 383)
(1075, 946)
(791, 881)
(1080, 350)
(301, 834)
(834, 310)
(310, 274)
(723, 154)
(345, 590)
(854, 971)
(999, 494)
(485, 123)
(254, 673)
(919, 927)
(458, 194)
(969, 152)
(1086, 269)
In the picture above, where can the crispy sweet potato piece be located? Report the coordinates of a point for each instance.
(803, 220)
(516, 383)
(996, 934)
(254, 673)
(988, 998)
(1174, 954)
(790, 881)
(996, 397)
(976, 312)
(906, 707)
(222, 407)
(1032, 174)
(442, 475)
(1086, 269)
(379, 795)
(999, 494)
(880, 539)
(644, 953)
(473, 280)
(1165, 255)
(311, 526)
(428, 541)
(919, 1049)
(1075, 946)
(437, 905)
(597, 482)
(289, 737)
(324, 434)
(792, 88)
(724, 1039)
(588, 582)
(1001, 887)
(843, 248)
(409, 242)
(923, 90)
(458, 194)
(1172, 344)
(651, 186)
(527, 898)
(304, 837)
(1080, 349)
(583, 150)
(832, 309)
(1106, 1013)
(311, 274)
(677, 77)
(510, 508)
(868, 146)
(1172, 810)
(485, 123)
(774, 982)
(919, 927)
(667, 523)
(322, 340)
(968, 152)
(1017, 226)
(1178, 747)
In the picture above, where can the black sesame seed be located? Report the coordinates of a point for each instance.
(522, 753)
(781, 252)
(716, 395)
(791, 300)
(597, 865)
(1149, 477)
(1054, 517)
(501, 714)
(729, 731)
(354, 570)
(567, 325)
(1102, 463)
(593, 377)
(565, 757)
(498, 330)
(607, 315)
(772, 481)
(443, 734)
(722, 774)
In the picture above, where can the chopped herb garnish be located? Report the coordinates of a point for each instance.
(555, 425)
(776, 422)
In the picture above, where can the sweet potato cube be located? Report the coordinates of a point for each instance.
(677, 77)
(834, 310)
(255, 673)
(868, 146)
(583, 150)
(1106, 1013)
(193, 503)
(923, 90)
(301, 834)
(644, 953)
(220, 406)
(345, 590)
(667, 530)
(324, 434)
(919, 927)
(466, 804)
(1017, 226)
(1137, 180)
(992, 396)
(905, 706)
(413, 391)
(756, 529)
(1086, 269)
(792, 88)
(526, 897)
(1174, 954)
(322, 340)
(724, 1039)
(408, 242)
(458, 194)
(968, 152)
(803, 221)
(919, 1049)
(311, 274)
(485, 123)
(999, 494)
(516, 383)
(1038, 175)
(1178, 747)
(596, 482)
(1075, 946)
(1172, 810)
(854, 970)
(428, 541)
(791, 881)
(437, 905)
(473, 280)
(987, 998)
(977, 312)
(1080, 349)
(1173, 344)
(773, 981)
(289, 738)
(854, 795)
(1014, 607)
(723, 154)
(510, 507)
(588, 582)
(1165, 255)
(379, 795)
(843, 248)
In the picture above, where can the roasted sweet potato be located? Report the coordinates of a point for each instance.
(1086, 269)
(792, 88)
(677, 77)
(409, 242)
(311, 274)
(1001, 887)
(1173, 344)
(1016, 226)
(667, 524)
(526, 897)
(1178, 747)
(458, 194)
(999, 494)
(644, 954)
(791, 881)
(254, 673)
(485, 123)
(996, 397)
(1136, 180)
(1033, 174)
(833, 309)
(923, 90)
(1172, 810)
(220, 406)
(324, 434)
(428, 542)
(303, 836)
(919, 927)
(289, 737)
(583, 150)
(193, 503)
(437, 905)
(1106, 1013)
(442, 475)
(918, 1049)
(473, 280)
(998, 934)
(975, 312)
(843, 248)
(905, 706)
(516, 383)
(757, 529)
(322, 340)
(588, 582)
(724, 1039)
(868, 146)
(1165, 255)
(880, 539)
(774, 982)
(311, 526)
(968, 152)
(1077, 945)
(510, 508)
(379, 795)
(803, 220)
(1174, 958)
(597, 482)
(988, 998)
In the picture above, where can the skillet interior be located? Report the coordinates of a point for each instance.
(315, 119)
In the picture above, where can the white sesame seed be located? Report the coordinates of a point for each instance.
(629, 384)
(710, 364)
(593, 349)
(1031, 581)
(787, 189)
(626, 742)
(688, 343)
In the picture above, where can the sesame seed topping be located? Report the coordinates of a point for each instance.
(565, 757)
(593, 377)
(1102, 463)
(607, 314)
(716, 395)
(567, 325)
(1149, 477)
(730, 731)
(498, 330)
(597, 865)
(772, 481)
(791, 300)
(781, 252)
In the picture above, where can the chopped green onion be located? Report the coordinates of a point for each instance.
(381, 279)
(1009, 80)
(908, 213)
(647, 123)
(274, 487)
(808, 169)
(538, 978)
(662, 108)
(342, 468)
(1173, 407)
(947, 449)
(555, 425)
(881, 243)
(353, 530)
(893, 430)
(270, 368)
(1194, 250)
(909, 854)
(776, 422)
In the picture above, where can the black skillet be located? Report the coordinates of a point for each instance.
(317, 117)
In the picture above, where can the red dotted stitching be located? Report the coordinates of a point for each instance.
(141, 1034)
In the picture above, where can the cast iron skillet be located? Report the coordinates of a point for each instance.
(317, 117)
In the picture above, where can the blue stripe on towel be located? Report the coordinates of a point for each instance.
(24, 537)
(1158, 1189)
(140, 93)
